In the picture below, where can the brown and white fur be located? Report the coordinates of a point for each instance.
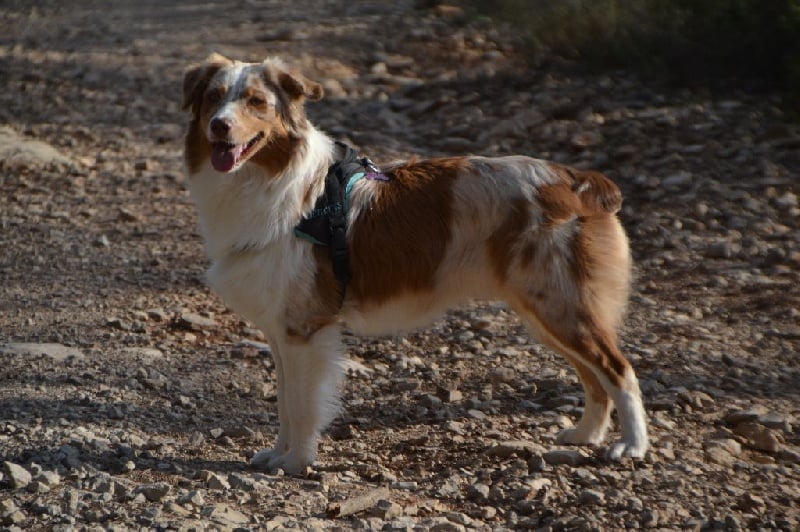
(542, 237)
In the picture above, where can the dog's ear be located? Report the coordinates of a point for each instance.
(298, 86)
(196, 78)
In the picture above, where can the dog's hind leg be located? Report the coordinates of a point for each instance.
(572, 296)
(594, 422)
(308, 393)
(606, 376)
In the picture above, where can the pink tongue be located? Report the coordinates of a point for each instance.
(225, 158)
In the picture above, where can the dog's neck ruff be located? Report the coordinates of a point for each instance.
(326, 224)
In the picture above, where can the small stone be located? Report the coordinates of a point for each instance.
(478, 492)
(118, 323)
(696, 399)
(280, 522)
(126, 215)
(154, 492)
(787, 200)
(224, 515)
(649, 518)
(447, 526)
(456, 427)
(216, 482)
(474, 413)
(194, 498)
(778, 422)
(539, 486)
(186, 402)
(242, 482)
(759, 436)
(591, 497)
(449, 396)
(750, 501)
(449, 10)
(740, 416)
(156, 314)
(385, 509)
(7, 506)
(677, 180)
(197, 438)
(14, 518)
(458, 518)
(732, 523)
(122, 488)
(570, 457)
(514, 447)
(536, 463)
(790, 455)
(719, 456)
(496, 494)
(69, 456)
(501, 376)
(105, 485)
(70, 501)
(216, 432)
(196, 322)
(728, 444)
(16, 475)
(49, 478)
(586, 139)
(723, 249)
(240, 431)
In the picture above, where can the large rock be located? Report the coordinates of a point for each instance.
(17, 476)
(57, 352)
(18, 150)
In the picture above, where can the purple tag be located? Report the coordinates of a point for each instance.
(376, 176)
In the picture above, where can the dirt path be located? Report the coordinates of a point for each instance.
(129, 396)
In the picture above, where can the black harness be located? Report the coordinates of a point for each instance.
(326, 224)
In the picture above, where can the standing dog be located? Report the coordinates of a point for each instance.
(423, 237)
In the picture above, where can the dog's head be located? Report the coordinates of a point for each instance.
(239, 109)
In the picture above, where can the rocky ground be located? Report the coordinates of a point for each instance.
(130, 397)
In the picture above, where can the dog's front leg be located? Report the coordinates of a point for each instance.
(264, 457)
(310, 372)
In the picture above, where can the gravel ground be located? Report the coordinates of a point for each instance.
(131, 398)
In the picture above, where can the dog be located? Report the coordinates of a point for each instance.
(423, 236)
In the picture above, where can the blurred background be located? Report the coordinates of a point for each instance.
(689, 42)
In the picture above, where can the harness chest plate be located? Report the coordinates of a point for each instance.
(326, 224)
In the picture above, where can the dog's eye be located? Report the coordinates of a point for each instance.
(256, 101)
(213, 97)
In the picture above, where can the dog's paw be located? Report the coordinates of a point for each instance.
(274, 459)
(576, 436)
(263, 458)
(291, 463)
(621, 449)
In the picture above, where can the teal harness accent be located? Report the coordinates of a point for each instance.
(326, 224)
(355, 178)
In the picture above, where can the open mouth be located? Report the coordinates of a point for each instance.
(226, 157)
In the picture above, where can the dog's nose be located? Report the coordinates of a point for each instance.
(220, 127)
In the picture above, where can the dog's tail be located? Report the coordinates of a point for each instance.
(596, 192)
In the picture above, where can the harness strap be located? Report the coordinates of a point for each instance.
(326, 224)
